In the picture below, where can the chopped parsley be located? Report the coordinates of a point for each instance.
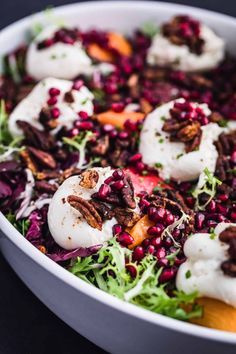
(150, 29)
(161, 141)
(188, 274)
(212, 233)
(223, 123)
(158, 165)
(179, 156)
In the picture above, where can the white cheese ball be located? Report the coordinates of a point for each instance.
(202, 270)
(66, 224)
(156, 147)
(61, 60)
(164, 53)
(29, 108)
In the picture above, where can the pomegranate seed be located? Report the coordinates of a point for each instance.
(118, 185)
(144, 203)
(199, 221)
(156, 214)
(160, 253)
(52, 101)
(132, 270)
(125, 239)
(163, 262)
(109, 180)
(167, 275)
(150, 249)
(233, 157)
(146, 243)
(103, 191)
(176, 233)
(113, 134)
(48, 42)
(222, 209)
(117, 107)
(138, 253)
(77, 85)
(204, 121)
(135, 158)
(179, 261)
(169, 219)
(211, 207)
(233, 216)
(211, 223)
(168, 242)
(223, 197)
(111, 88)
(118, 174)
(73, 132)
(130, 125)
(55, 112)
(116, 229)
(54, 91)
(83, 115)
(156, 241)
(68, 40)
(155, 230)
(190, 201)
(85, 125)
(107, 128)
(123, 135)
(140, 167)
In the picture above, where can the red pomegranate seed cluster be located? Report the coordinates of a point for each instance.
(184, 30)
(63, 35)
(188, 111)
(52, 101)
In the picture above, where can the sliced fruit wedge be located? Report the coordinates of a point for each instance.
(115, 41)
(217, 315)
(139, 231)
(118, 119)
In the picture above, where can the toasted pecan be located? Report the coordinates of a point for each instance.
(87, 210)
(44, 158)
(189, 132)
(125, 217)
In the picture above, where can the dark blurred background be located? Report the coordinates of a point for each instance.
(26, 325)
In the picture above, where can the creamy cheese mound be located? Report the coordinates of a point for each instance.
(29, 108)
(202, 270)
(61, 60)
(156, 147)
(66, 224)
(164, 53)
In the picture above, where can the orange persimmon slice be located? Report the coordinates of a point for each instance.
(115, 41)
(217, 315)
(118, 119)
(139, 231)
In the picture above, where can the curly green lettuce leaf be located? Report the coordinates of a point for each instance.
(107, 271)
(207, 186)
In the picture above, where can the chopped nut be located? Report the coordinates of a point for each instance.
(28, 161)
(229, 268)
(44, 158)
(72, 171)
(126, 217)
(45, 187)
(47, 175)
(101, 146)
(105, 212)
(89, 179)
(87, 210)
(189, 132)
(127, 193)
(68, 97)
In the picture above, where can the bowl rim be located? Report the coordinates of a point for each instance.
(58, 271)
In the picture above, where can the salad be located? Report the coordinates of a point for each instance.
(118, 162)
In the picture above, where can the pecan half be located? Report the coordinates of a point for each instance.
(45, 187)
(228, 234)
(68, 97)
(44, 158)
(126, 217)
(89, 179)
(87, 210)
(35, 137)
(229, 268)
(189, 132)
(127, 193)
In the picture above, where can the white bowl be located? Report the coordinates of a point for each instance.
(112, 324)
